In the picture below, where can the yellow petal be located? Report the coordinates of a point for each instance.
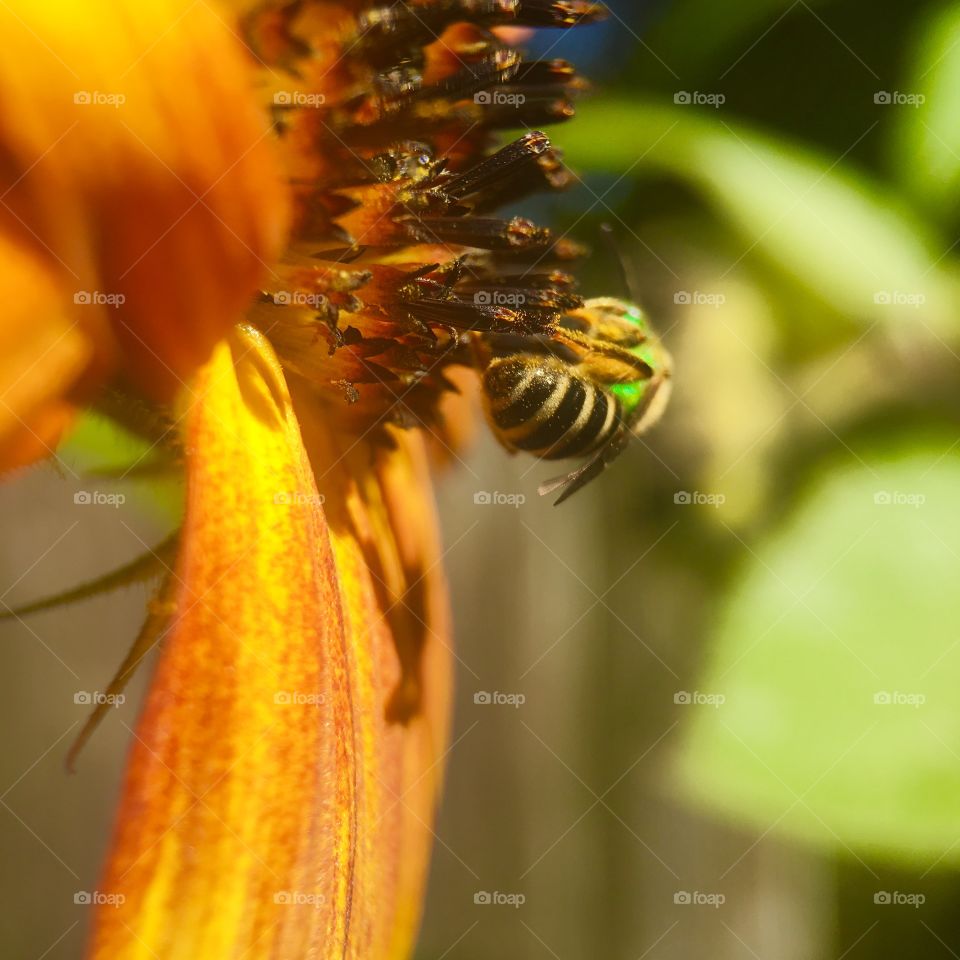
(270, 809)
(137, 168)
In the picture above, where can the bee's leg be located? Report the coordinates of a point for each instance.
(604, 362)
(588, 471)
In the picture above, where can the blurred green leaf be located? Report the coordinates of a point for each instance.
(836, 232)
(97, 443)
(927, 137)
(839, 660)
(708, 51)
(98, 447)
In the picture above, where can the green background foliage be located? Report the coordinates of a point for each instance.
(798, 245)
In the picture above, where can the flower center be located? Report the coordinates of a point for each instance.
(398, 263)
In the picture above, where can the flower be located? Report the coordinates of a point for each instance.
(277, 222)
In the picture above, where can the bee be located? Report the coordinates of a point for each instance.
(600, 378)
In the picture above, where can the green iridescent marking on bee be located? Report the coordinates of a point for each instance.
(629, 394)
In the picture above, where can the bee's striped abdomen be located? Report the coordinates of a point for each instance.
(537, 404)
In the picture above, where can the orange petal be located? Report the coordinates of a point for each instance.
(40, 347)
(383, 528)
(136, 166)
(264, 812)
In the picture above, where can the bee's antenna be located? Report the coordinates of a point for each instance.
(630, 286)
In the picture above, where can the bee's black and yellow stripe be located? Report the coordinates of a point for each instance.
(538, 404)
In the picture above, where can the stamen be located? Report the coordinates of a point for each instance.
(467, 315)
(516, 234)
(542, 72)
(531, 110)
(496, 68)
(566, 13)
(408, 23)
(501, 166)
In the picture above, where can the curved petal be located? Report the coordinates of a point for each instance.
(383, 529)
(136, 167)
(270, 809)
